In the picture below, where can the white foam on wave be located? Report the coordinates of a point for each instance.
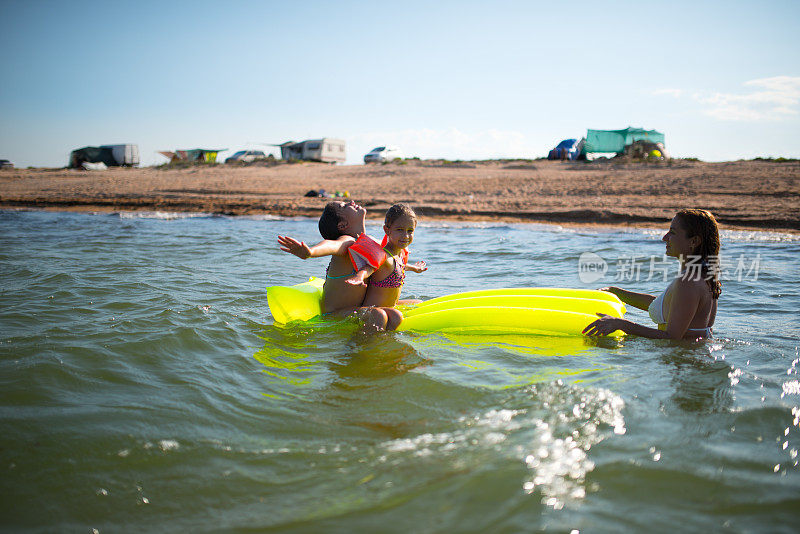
(268, 217)
(552, 443)
(168, 445)
(758, 236)
(161, 215)
(791, 387)
(734, 236)
(173, 215)
(544, 227)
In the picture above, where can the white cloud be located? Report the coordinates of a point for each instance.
(771, 99)
(450, 143)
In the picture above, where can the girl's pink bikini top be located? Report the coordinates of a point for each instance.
(395, 278)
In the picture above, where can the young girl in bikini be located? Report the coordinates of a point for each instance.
(385, 282)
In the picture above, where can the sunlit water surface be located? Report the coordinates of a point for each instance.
(144, 388)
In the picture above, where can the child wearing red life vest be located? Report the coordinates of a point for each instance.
(383, 275)
(341, 225)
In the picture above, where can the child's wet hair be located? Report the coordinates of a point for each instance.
(397, 211)
(329, 222)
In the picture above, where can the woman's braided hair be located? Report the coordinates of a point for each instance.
(702, 224)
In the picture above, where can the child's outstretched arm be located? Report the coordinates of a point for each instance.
(323, 248)
(418, 267)
(360, 278)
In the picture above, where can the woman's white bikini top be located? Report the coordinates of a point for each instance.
(656, 311)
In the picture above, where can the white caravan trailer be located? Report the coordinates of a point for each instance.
(125, 155)
(327, 150)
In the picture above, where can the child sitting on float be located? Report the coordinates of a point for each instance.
(381, 268)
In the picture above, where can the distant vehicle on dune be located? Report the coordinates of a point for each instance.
(568, 149)
(383, 154)
(125, 155)
(326, 150)
(246, 156)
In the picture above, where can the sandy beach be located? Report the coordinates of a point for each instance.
(761, 195)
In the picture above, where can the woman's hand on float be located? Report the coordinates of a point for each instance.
(293, 246)
(611, 289)
(603, 326)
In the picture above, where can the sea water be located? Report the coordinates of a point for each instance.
(144, 387)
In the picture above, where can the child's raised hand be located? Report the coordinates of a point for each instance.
(358, 279)
(293, 246)
(418, 267)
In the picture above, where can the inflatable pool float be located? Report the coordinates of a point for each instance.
(525, 311)
(300, 302)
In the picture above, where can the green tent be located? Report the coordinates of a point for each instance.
(617, 140)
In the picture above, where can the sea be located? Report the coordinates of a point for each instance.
(144, 387)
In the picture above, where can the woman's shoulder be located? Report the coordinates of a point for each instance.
(690, 285)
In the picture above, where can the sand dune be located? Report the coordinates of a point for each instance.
(742, 194)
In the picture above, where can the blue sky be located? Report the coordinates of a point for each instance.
(458, 80)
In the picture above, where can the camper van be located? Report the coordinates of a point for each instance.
(327, 150)
(124, 155)
(109, 155)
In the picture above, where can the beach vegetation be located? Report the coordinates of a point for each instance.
(777, 160)
(183, 164)
(514, 160)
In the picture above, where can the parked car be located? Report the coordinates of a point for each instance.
(246, 156)
(5, 164)
(382, 154)
(569, 149)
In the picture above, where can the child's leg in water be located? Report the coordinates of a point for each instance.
(381, 318)
(393, 318)
(374, 319)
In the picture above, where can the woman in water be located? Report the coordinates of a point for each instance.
(688, 307)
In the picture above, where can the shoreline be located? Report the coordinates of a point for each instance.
(660, 224)
(743, 195)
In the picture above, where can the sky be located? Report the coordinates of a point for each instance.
(443, 79)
